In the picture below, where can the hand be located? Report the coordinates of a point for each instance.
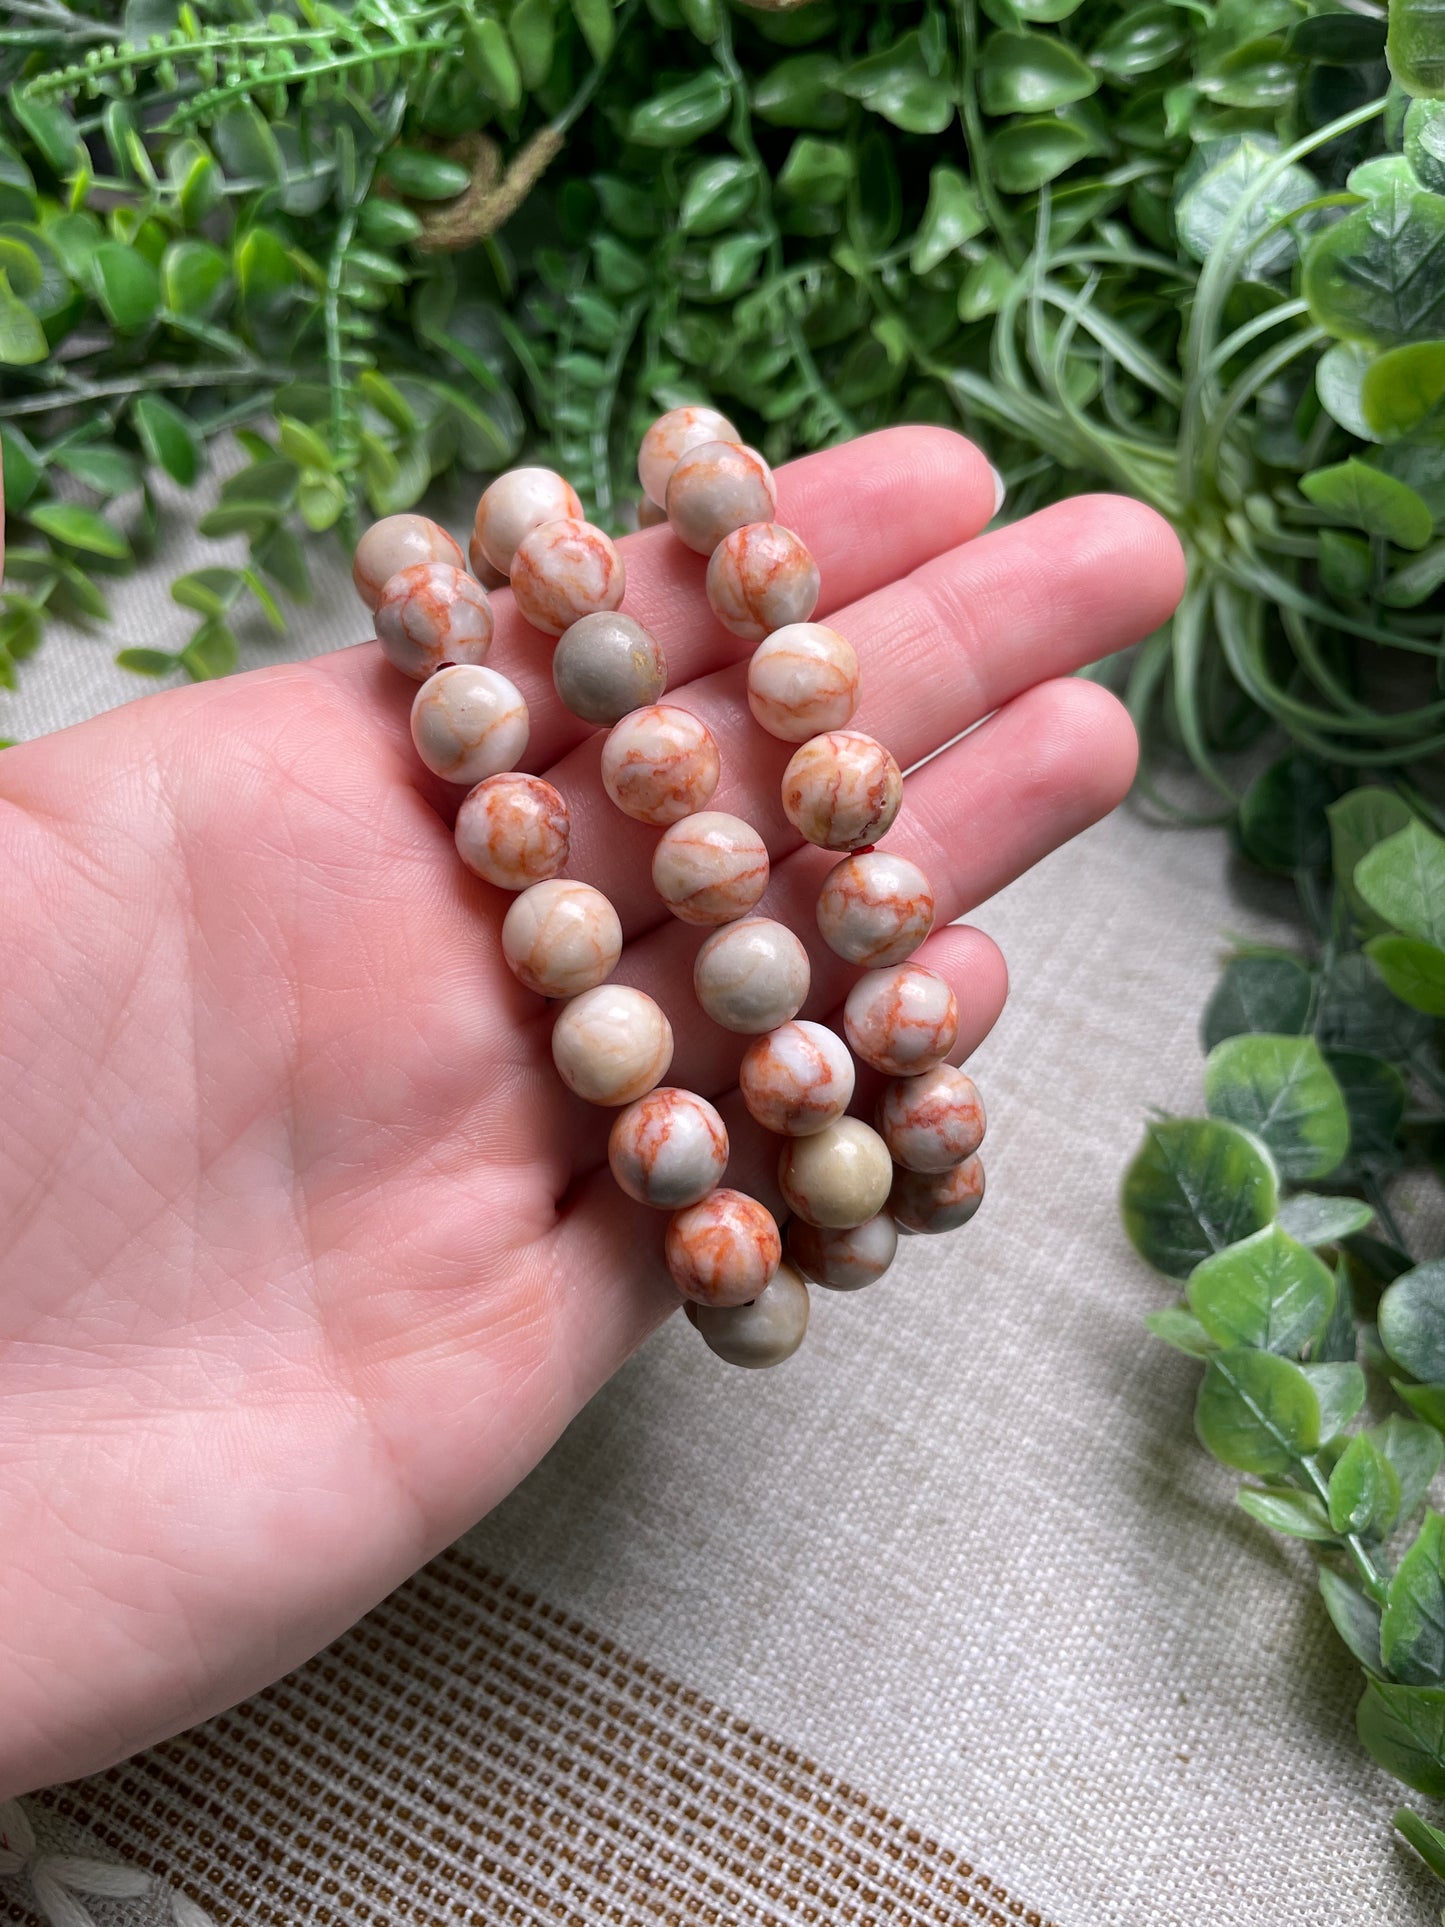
(308, 1255)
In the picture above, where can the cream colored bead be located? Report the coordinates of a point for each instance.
(903, 1021)
(561, 937)
(669, 439)
(611, 1045)
(797, 1080)
(875, 908)
(710, 867)
(513, 831)
(938, 1200)
(803, 682)
(716, 488)
(394, 544)
(469, 723)
(660, 764)
(766, 1332)
(515, 504)
(842, 790)
(760, 578)
(430, 614)
(845, 1260)
(668, 1149)
(565, 570)
(837, 1178)
(724, 1249)
(751, 976)
(931, 1122)
(481, 568)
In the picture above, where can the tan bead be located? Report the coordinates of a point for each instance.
(760, 578)
(565, 570)
(802, 682)
(432, 613)
(650, 514)
(842, 790)
(798, 1079)
(716, 488)
(669, 439)
(903, 1021)
(710, 867)
(394, 544)
(875, 909)
(515, 504)
(752, 976)
(514, 831)
(838, 1177)
(723, 1250)
(766, 1332)
(607, 665)
(469, 723)
(561, 937)
(481, 568)
(611, 1045)
(845, 1260)
(931, 1122)
(938, 1200)
(668, 1149)
(660, 764)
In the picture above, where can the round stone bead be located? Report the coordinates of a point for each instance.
(611, 1045)
(723, 1250)
(710, 867)
(875, 909)
(650, 515)
(803, 680)
(469, 723)
(395, 543)
(561, 937)
(937, 1200)
(514, 831)
(489, 577)
(902, 1021)
(760, 578)
(668, 1149)
(565, 570)
(842, 790)
(669, 439)
(515, 504)
(931, 1122)
(431, 613)
(797, 1080)
(763, 1333)
(837, 1177)
(607, 665)
(716, 488)
(752, 976)
(660, 764)
(845, 1260)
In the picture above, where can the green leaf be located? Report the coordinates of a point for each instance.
(1364, 1490)
(167, 437)
(491, 62)
(1237, 173)
(1315, 1220)
(211, 652)
(1427, 1841)
(247, 146)
(193, 277)
(1181, 1329)
(127, 286)
(717, 193)
(1402, 1728)
(1412, 1632)
(1427, 1402)
(20, 467)
(101, 466)
(210, 592)
(1412, 1321)
(954, 215)
(1140, 41)
(1265, 993)
(1425, 143)
(897, 84)
(1339, 1342)
(303, 446)
(1347, 567)
(1415, 47)
(1027, 154)
(1339, 1388)
(1403, 389)
(1282, 1090)
(598, 25)
(1195, 1186)
(1415, 971)
(1298, 1514)
(1403, 881)
(1355, 1012)
(1368, 499)
(532, 29)
(423, 176)
(1030, 73)
(1374, 1094)
(51, 128)
(1356, 1618)
(1415, 582)
(320, 498)
(681, 114)
(1357, 823)
(1257, 1412)
(817, 170)
(1415, 1451)
(1339, 382)
(802, 92)
(1376, 275)
(80, 528)
(1265, 1291)
(1281, 815)
(147, 662)
(22, 339)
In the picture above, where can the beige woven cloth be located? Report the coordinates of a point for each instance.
(949, 1620)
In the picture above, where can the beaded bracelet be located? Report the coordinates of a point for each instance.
(849, 1187)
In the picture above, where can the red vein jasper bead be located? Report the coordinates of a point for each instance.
(764, 1333)
(760, 578)
(723, 1250)
(611, 1045)
(481, 568)
(515, 504)
(875, 909)
(902, 1021)
(514, 831)
(565, 570)
(837, 1177)
(716, 488)
(668, 1149)
(938, 1200)
(797, 1080)
(398, 542)
(469, 723)
(561, 937)
(752, 976)
(842, 790)
(660, 764)
(932, 1122)
(802, 681)
(432, 613)
(670, 437)
(710, 867)
(844, 1260)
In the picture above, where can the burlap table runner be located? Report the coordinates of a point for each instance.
(948, 1621)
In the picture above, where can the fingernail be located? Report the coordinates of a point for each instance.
(1000, 488)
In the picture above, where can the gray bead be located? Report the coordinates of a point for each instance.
(607, 665)
(763, 1332)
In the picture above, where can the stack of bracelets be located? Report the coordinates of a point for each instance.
(848, 1186)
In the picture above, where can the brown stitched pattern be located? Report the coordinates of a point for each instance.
(468, 1754)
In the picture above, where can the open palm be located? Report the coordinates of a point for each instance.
(308, 1254)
